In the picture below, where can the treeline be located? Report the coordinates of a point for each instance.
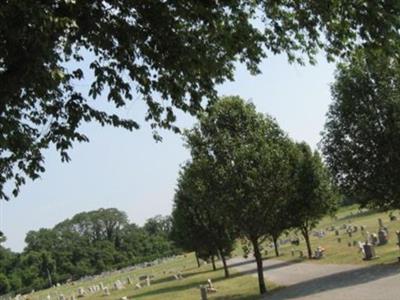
(87, 244)
(247, 179)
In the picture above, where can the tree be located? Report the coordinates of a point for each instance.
(199, 195)
(87, 244)
(158, 225)
(171, 54)
(254, 154)
(4, 284)
(314, 195)
(360, 141)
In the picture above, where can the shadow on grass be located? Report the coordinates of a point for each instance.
(170, 277)
(335, 281)
(274, 265)
(358, 215)
(236, 297)
(192, 283)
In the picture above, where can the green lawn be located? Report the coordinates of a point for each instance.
(239, 286)
(341, 253)
(165, 287)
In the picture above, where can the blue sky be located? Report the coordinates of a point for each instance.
(130, 171)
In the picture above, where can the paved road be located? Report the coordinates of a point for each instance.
(325, 282)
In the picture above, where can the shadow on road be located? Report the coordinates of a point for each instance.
(335, 281)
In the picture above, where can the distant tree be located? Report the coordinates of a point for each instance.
(87, 244)
(253, 153)
(101, 224)
(158, 225)
(2, 237)
(4, 284)
(315, 194)
(170, 54)
(360, 141)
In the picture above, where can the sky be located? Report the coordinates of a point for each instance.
(133, 173)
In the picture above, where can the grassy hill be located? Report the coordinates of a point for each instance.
(165, 286)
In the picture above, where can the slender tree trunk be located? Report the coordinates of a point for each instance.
(275, 238)
(258, 257)
(197, 259)
(213, 262)
(304, 232)
(226, 270)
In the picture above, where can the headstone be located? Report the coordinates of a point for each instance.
(138, 285)
(203, 292)
(362, 228)
(349, 233)
(148, 280)
(349, 244)
(210, 286)
(129, 280)
(81, 292)
(101, 286)
(398, 238)
(337, 232)
(319, 253)
(374, 239)
(118, 285)
(355, 243)
(124, 298)
(61, 297)
(355, 228)
(380, 223)
(369, 251)
(339, 240)
(106, 291)
(382, 237)
(393, 218)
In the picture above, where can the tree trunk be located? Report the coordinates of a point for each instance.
(304, 232)
(197, 259)
(213, 262)
(276, 245)
(224, 263)
(258, 257)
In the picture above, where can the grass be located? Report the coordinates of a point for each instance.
(165, 287)
(341, 253)
(240, 286)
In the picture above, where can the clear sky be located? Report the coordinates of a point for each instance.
(130, 171)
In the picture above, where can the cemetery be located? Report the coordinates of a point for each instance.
(277, 191)
(345, 237)
(374, 239)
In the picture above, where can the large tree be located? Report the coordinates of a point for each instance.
(198, 210)
(171, 54)
(314, 194)
(362, 131)
(254, 154)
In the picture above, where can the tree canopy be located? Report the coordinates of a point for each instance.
(252, 153)
(314, 195)
(170, 54)
(200, 217)
(89, 243)
(362, 130)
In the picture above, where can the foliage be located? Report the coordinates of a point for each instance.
(88, 243)
(252, 154)
(171, 54)
(200, 223)
(362, 129)
(4, 284)
(314, 195)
